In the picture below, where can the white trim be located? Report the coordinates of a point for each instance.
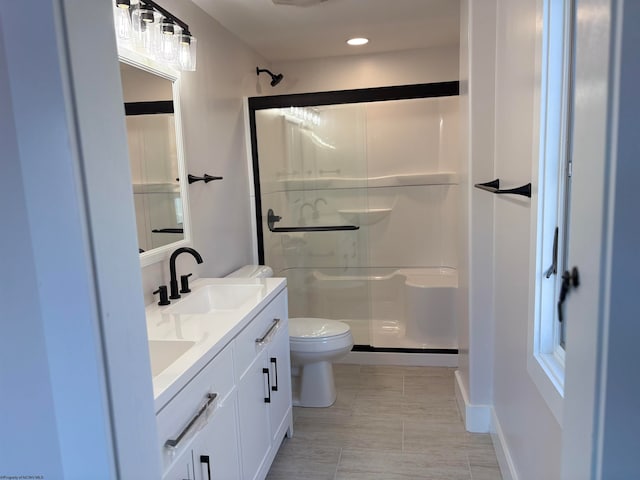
(545, 369)
(507, 466)
(477, 418)
(404, 359)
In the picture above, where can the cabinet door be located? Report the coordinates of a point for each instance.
(280, 367)
(253, 408)
(215, 452)
(182, 469)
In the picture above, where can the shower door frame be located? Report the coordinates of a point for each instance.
(336, 97)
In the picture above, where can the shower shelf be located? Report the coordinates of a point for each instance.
(272, 218)
(366, 216)
(344, 182)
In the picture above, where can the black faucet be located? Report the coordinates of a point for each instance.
(172, 268)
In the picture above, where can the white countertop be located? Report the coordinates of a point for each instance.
(210, 332)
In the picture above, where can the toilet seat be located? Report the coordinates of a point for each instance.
(318, 335)
(316, 329)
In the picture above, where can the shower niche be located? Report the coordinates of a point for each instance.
(363, 187)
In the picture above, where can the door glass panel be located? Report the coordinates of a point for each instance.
(381, 177)
(313, 173)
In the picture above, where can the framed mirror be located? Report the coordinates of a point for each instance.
(158, 172)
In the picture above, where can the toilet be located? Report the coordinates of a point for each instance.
(315, 343)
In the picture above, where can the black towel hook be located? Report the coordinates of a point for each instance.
(206, 178)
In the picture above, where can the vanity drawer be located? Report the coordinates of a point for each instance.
(175, 417)
(264, 326)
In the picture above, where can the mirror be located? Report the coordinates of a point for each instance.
(155, 151)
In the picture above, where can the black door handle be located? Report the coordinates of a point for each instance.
(274, 360)
(570, 279)
(267, 399)
(553, 269)
(205, 459)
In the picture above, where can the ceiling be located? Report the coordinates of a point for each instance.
(286, 32)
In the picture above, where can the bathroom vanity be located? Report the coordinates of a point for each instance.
(222, 378)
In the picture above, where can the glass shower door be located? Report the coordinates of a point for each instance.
(313, 179)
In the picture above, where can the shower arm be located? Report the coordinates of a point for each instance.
(272, 219)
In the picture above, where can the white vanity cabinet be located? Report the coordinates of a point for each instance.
(235, 435)
(213, 453)
(201, 423)
(182, 468)
(264, 388)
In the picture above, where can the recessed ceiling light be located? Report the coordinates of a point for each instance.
(358, 41)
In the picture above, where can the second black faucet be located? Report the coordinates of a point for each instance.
(172, 268)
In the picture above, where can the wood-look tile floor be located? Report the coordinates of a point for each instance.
(389, 423)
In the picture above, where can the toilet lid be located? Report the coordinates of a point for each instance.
(311, 328)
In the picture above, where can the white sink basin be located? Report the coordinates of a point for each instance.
(164, 352)
(211, 298)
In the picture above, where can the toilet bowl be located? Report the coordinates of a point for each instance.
(314, 344)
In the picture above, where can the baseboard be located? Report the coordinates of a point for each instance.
(404, 359)
(477, 418)
(507, 468)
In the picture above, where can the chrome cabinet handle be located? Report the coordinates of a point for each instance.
(173, 442)
(268, 398)
(267, 336)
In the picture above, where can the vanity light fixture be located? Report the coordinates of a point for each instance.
(358, 41)
(122, 19)
(155, 32)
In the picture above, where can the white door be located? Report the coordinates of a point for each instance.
(254, 397)
(280, 366)
(605, 62)
(182, 469)
(216, 453)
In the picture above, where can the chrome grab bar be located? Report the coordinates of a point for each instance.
(173, 443)
(267, 336)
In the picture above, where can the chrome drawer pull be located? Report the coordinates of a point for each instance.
(267, 336)
(173, 443)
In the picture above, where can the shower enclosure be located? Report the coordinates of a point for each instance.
(356, 202)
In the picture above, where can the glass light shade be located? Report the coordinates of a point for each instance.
(167, 41)
(122, 20)
(144, 21)
(187, 52)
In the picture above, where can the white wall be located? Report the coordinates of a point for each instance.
(529, 432)
(141, 86)
(475, 303)
(214, 143)
(366, 71)
(621, 418)
(22, 341)
(77, 399)
(600, 418)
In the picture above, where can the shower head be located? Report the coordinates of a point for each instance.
(275, 78)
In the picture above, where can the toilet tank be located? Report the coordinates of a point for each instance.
(252, 271)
